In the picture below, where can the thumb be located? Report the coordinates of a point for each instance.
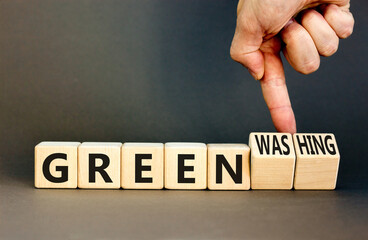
(245, 47)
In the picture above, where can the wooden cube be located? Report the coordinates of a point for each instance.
(272, 160)
(142, 166)
(99, 165)
(56, 164)
(228, 166)
(185, 166)
(317, 161)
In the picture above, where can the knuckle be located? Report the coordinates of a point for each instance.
(234, 54)
(308, 16)
(332, 13)
(293, 35)
(332, 8)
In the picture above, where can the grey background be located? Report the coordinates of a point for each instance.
(160, 71)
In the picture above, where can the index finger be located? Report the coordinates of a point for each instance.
(275, 91)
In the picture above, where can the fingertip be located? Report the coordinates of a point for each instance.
(255, 75)
(284, 120)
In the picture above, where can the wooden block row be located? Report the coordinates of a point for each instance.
(273, 161)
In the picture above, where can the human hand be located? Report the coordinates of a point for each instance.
(261, 28)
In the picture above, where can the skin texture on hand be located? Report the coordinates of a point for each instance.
(265, 28)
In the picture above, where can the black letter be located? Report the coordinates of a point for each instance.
(330, 151)
(221, 161)
(182, 168)
(62, 169)
(139, 168)
(310, 144)
(93, 169)
(301, 145)
(283, 138)
(276, 146)
(319, 144)
(263, 143)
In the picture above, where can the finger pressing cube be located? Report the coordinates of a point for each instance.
(272, 160)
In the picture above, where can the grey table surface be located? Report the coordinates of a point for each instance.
(160, 71)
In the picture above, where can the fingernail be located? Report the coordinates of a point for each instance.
(288, 23)
(254, 75)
